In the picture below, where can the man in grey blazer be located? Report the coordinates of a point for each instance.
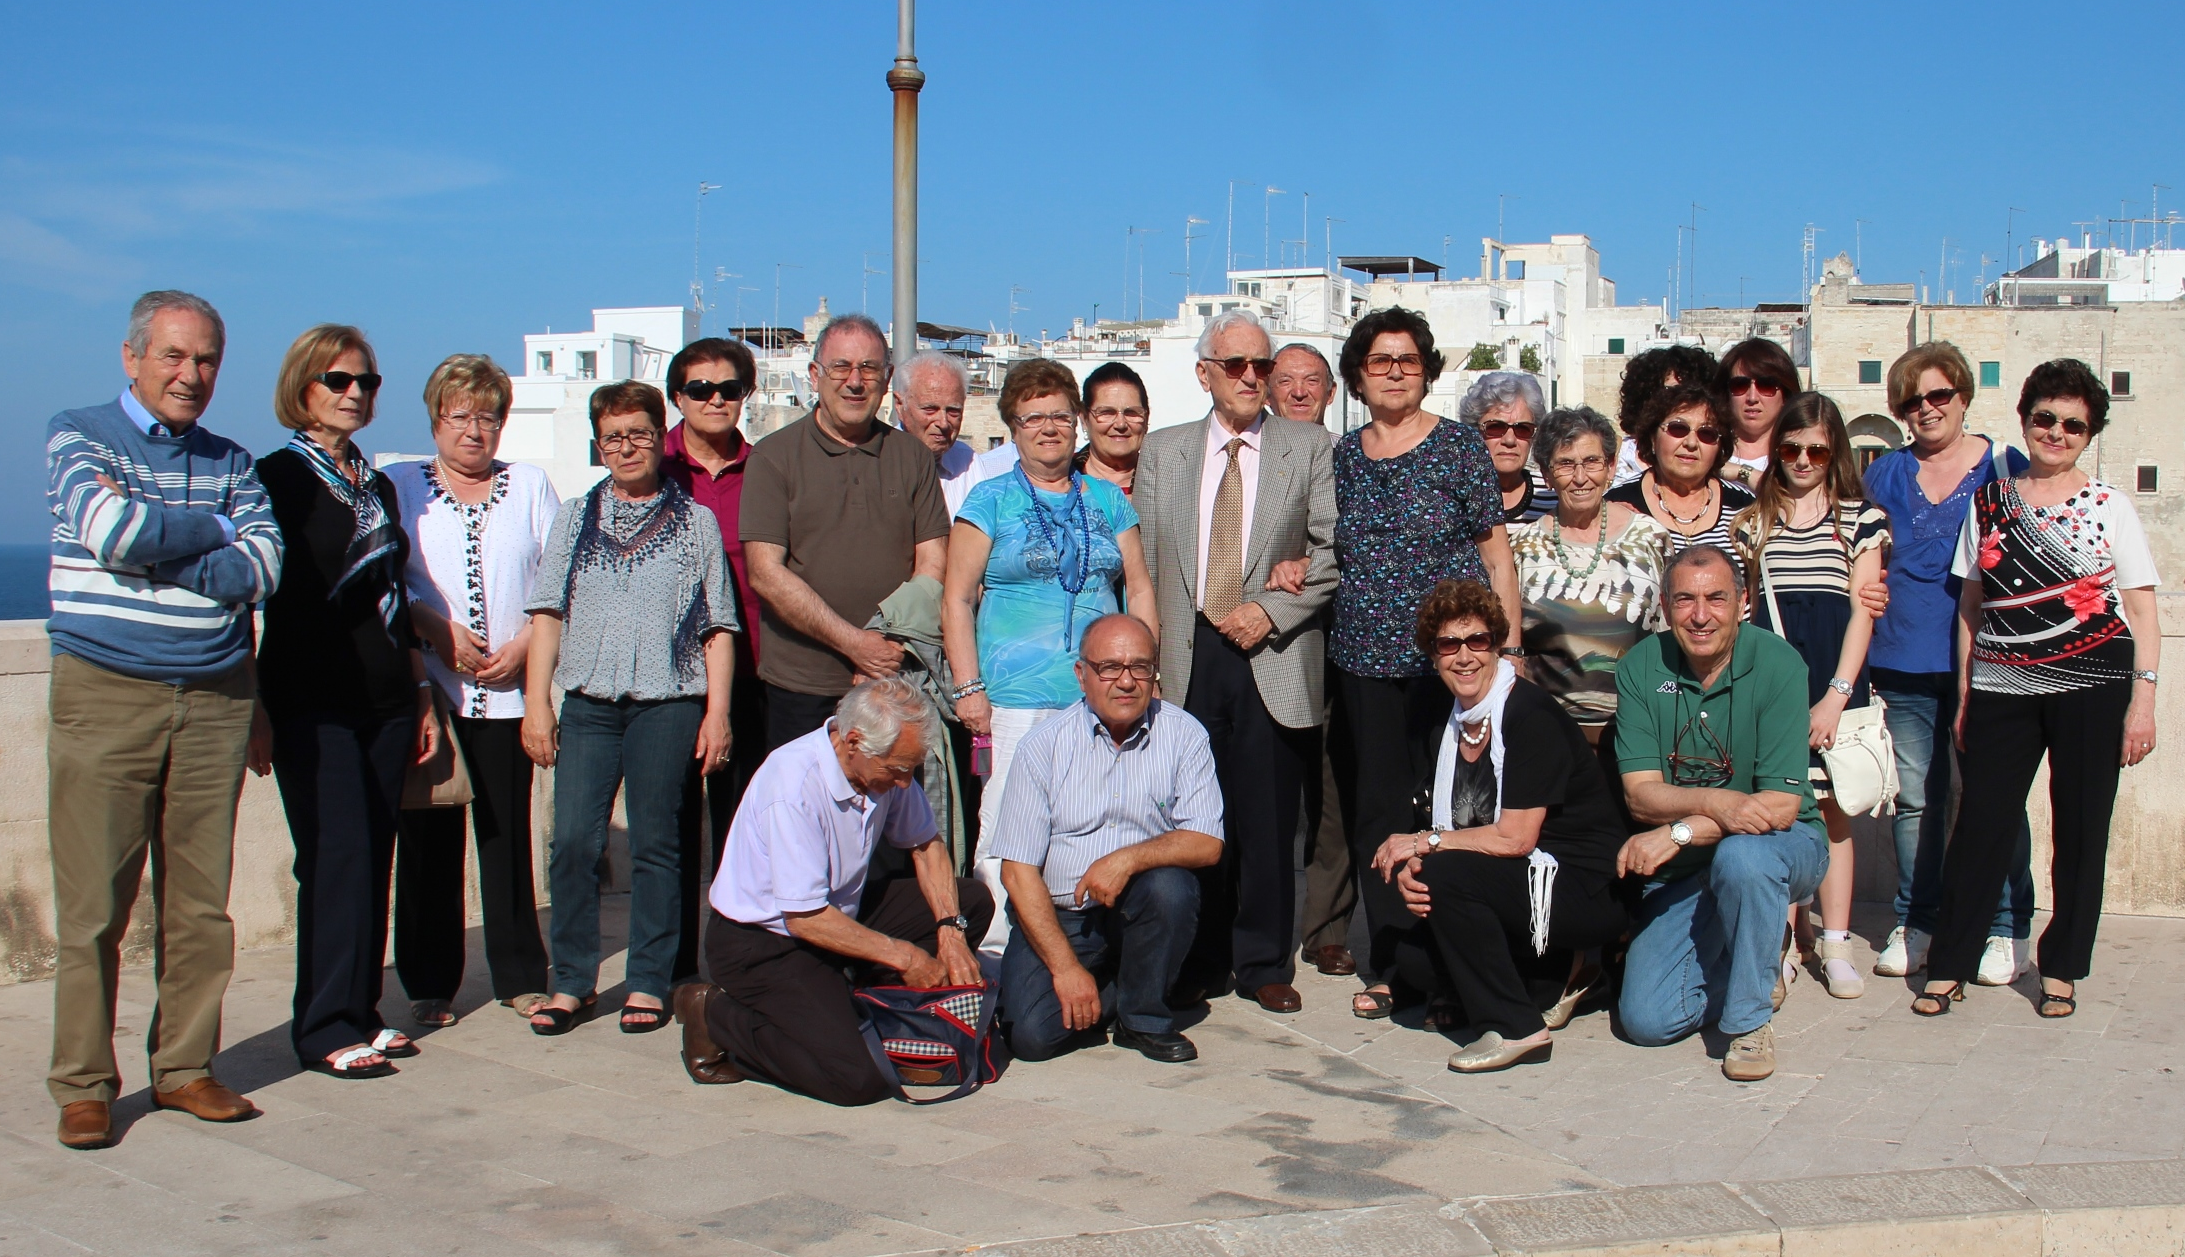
(1220, 502)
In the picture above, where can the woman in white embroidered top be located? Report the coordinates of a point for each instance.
(477, 527)
(1810, 540)
(1517, 870)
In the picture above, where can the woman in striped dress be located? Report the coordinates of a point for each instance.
(1810, 540)
(1684, 440)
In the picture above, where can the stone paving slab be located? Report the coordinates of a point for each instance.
(1291, 1137)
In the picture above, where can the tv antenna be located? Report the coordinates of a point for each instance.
(697, 233)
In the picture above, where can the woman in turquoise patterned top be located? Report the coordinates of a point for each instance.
(1036, 556)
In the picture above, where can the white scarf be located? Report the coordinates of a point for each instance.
(1540, 866)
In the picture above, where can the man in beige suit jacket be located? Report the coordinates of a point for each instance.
(1245, 660)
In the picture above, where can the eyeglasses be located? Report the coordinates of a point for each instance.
(2045, 419)
(1743, 384)
(1496, 429)
(1388, 364)
(1711, 768)
(703, 391)
(1112, 671)
(1678, 429)
(1789, 451)
(636, 439)
(1109, 414)
(863, 370)
(1235, 368)
(338, 382)
(484, 421)
(1059, 419)
(1480, 643)
(1591, 464)
(1937, 398)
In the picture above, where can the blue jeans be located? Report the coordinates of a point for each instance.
(1708, 945)
(1133, 950)
(1922, 707)
(646, 746)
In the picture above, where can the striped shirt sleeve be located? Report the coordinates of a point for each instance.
(120, 530)
(245, 570)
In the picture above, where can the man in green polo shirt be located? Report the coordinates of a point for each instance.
(1711, 729)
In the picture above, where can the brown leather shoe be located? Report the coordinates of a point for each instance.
(86, 1124)
(1276, 997)
(703, 1060)
(206, 1100)
(1333, 960)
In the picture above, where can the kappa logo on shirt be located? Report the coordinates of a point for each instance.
(1669, 687)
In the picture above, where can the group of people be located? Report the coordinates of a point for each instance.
(1546, 699)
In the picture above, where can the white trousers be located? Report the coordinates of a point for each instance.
(1010, 726)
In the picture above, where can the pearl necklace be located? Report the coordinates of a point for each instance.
(1465, 734)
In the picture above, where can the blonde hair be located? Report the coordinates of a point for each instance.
(314, 353)
(475, 377)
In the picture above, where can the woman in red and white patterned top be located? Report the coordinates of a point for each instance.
(2057, 573)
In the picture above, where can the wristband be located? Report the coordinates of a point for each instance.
(966, 690)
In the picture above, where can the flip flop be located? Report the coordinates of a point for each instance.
(384, 1044)
(1384, 1003)
(344, 1065)
(660, 1017)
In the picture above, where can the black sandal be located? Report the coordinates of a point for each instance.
(1942, 1000)
(559, 1020)
(2070, 1004)
(1384, 1003)
(659, 1017)
(344, 1064)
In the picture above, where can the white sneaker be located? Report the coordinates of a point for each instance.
(1999, 962)
(1905, 953)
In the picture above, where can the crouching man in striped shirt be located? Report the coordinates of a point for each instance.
(162, 540)
(1110, 805)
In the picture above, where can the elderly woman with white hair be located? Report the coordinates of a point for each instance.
(1506, 407)
(788, 916)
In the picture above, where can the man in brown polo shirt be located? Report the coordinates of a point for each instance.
(838, 510)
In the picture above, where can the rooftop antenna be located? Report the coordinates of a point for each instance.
(741, 289)
(1676, 275)
(1189, 223)
(1942, 269)
(1304, 229)
(1500, 199)
(774, 332)
(1014, 308)
(864, 286)
(697, 231)
(722, 274)
(1327, 239)
(1267, 221)
(1229, 247)
(1445, 254)
(1858, 245)
(1806, 264)
(1139, 231)
(1697, 210)
(2153, 217)
(2010, 221)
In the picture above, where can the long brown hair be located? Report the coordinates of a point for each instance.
(1805, 412)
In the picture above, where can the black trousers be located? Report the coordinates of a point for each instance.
(2082, 733)
(710, 801)
(1481, 932)
(790, 715)
(789, 1019)
(429, 874)
(1390, 729)
(341, 787)
(1248, 901)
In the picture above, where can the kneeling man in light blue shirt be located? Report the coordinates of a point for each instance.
(1109, 807)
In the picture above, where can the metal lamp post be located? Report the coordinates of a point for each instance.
(904, 80)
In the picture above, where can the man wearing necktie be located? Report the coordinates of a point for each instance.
(1221, 502)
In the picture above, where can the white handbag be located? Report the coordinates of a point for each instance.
(1862, 762)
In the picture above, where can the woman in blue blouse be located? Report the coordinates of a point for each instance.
(1417, 503)
(1036, 556)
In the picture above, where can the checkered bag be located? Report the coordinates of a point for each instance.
(930, 1036)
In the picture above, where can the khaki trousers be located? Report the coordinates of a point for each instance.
(139, 768)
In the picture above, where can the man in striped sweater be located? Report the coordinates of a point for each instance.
(162, 541)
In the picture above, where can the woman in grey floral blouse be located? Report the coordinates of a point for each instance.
(630, 614)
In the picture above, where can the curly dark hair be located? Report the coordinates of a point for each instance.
(1643, 378)
(1352, 363)
(1112, 373)
(2066, 377)
(1683, 397)
(1459, 600)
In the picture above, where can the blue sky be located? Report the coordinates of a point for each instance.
(455, 175)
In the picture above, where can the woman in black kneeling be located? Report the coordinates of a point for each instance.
(1518, 869)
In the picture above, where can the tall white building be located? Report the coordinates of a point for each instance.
(550, 420)
(2063, 274)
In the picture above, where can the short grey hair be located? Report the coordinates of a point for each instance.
(878, 709)
(150, 304)
(1562, 427)
(1497, 388)
(932, 360)
(1238, 317)
(847, 322)
(1705, 552)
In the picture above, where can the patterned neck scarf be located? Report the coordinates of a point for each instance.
(370, 560)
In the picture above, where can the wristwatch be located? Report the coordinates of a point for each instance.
(1840, 685)
(2146, 674)
(1512, 652)
(960, 921)
(1680, 833)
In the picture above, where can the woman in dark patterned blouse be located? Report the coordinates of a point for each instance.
(2057, 576)
(1417, 503)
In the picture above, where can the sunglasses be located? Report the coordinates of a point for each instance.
(338, 382)
(1496, 429)
(1789, 451)
(1481, 643)
(2045, 420)
(1743, 384)
(1235, 368)
(706, 390)
(1401, 364)
(1678, 429)
(1937, 398)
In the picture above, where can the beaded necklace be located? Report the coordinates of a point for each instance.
(1562, 557)
(1046, 528)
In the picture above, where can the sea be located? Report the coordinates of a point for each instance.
(23, 583)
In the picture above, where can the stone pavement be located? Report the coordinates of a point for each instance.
(1292, 1135)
